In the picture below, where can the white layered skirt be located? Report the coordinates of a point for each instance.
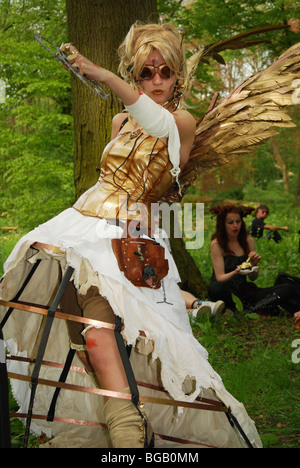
(167, 356)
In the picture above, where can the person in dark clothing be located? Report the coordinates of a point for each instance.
(235, 261)
(258, 225)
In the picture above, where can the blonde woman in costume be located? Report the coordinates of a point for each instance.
(142, 161)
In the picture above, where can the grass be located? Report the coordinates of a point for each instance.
(252, 354)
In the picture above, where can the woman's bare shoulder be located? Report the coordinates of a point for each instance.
(251, 242)
(117, 121)
(184, 117)
(214, 245)
(215, 249)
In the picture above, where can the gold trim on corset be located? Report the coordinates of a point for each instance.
(135, 172)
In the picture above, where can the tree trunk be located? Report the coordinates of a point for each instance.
(281, 165)
(96, 28)
(298, 190)
(191, 278)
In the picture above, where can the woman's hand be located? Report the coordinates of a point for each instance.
(123, 90)
(84, 66)
(296, 318)
(69, 48)
(254, 258)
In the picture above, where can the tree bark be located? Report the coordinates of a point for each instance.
(96, 28)
(298, 190)
(281, 165)
(191, 278)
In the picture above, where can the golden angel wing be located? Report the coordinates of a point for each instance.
(245, 118)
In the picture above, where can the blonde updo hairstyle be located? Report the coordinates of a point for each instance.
(141, 40)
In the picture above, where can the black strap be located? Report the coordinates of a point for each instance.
(15, 299)
(5, 437)
(5, 441)
(234, 422)
(125, 353)
(42, 347)
(62, 378)
(123, 123)
(126, 363)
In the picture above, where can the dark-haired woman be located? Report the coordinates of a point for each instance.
(235, 261)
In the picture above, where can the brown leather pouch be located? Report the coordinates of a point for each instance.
(141, 260)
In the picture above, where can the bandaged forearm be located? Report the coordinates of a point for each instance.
(159, 123)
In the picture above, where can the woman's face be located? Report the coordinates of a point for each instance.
(158, 88)
(233, 224)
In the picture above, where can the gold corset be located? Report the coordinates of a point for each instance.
(135, 172)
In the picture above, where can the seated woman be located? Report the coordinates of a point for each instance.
(235, 260)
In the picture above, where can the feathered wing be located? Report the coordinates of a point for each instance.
(245, 118)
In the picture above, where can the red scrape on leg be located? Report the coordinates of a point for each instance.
(91, 343)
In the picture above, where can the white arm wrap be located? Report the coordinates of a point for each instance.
(159, 123)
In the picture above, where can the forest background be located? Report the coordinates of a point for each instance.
(38, 179)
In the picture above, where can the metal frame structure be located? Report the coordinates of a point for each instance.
(54, 312)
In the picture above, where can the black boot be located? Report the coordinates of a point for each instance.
(267, 306)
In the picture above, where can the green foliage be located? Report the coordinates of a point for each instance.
(36, 144)
(238, 303)
(216, 19)
(17, 428)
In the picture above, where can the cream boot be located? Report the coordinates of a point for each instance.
(126, 424)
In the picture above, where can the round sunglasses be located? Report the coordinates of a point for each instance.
(149, 72)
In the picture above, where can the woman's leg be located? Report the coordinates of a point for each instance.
(219, 291)
(105, 358)
(127, 425)
(286, 298)
(102, 354)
